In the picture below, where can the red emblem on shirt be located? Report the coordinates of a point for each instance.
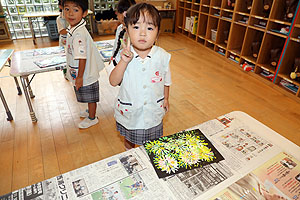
(157, 73)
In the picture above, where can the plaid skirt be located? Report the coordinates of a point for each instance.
(139, 136)
(88, 94)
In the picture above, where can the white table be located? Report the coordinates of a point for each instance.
(130, 174)
(51, 14)
(23, 65)
(5, 55)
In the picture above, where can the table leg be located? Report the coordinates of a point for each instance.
(16, 80)
(9, 116)
(18, 86)
(32, 113)
(31, 29)
(29, 88)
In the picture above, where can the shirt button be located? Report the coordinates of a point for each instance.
(143, 69)
(144, 86)
(145, 103)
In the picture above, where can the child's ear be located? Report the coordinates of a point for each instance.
(85, 13)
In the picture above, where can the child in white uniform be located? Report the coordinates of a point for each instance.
(144, 77)
(62, 25)
(83, 59)
(122, 8)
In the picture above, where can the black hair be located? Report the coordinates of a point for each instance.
(60, 4)
(118, 46)
(133, 14)
(124, 5)
(83, 4)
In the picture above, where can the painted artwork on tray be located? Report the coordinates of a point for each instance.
(106, 54)
(50, 62)
(49, 51)
(103, 45)
(180, 152)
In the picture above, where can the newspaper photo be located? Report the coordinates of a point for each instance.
(278, 179)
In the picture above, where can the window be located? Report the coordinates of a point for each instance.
(18, 25)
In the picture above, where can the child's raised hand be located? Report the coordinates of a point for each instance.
(126, 54)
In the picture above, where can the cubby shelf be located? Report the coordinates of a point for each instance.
(260, 33)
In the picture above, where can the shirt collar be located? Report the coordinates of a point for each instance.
(80, 24)
(150, 54)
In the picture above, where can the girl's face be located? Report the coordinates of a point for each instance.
(120, 17)
(143, 34)
(73, 13)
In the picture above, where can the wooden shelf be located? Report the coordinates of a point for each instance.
(271, 44)
(251, 33)
(287, 65)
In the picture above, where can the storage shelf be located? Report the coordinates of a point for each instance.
(247, 32)
(286, 77)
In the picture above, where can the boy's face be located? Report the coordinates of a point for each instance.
(73, 13)
(143, 34)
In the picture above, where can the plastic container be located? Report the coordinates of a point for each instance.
(213, 35)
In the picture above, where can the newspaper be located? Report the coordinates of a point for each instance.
(123, 176)
(278, 178)
(252, 154)
(236, 142)
(193, 183)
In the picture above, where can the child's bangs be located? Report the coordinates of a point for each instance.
(149, 13)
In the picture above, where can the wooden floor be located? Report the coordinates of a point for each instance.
(205, 86)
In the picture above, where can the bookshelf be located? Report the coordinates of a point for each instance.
(261, 33)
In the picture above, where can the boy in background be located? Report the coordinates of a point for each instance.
(83, 60)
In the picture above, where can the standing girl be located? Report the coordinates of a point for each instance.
(122, 8)
(144, 77)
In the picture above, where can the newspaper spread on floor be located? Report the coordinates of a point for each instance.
(123, 176)
(245, 144)
(236, 142)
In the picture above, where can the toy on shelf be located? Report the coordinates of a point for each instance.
(247, 67)
(290, 9)
(296, 73)
(267, 7)
(255, 48)
(226, 34)
(282, 29)
(275, 55)
(231, 4)
(249, 4)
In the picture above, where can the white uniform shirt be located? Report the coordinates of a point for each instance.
(62, 23)
(80, 45)
(140, 100)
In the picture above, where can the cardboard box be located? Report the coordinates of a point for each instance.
(166, 25)
(107, 27)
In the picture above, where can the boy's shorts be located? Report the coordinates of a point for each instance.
(88, 94)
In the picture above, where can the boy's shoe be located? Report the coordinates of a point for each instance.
(84, 113)
(65, 74)
(86, 123)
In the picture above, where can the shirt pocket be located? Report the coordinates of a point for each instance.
(124, 108)
(160, 111)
